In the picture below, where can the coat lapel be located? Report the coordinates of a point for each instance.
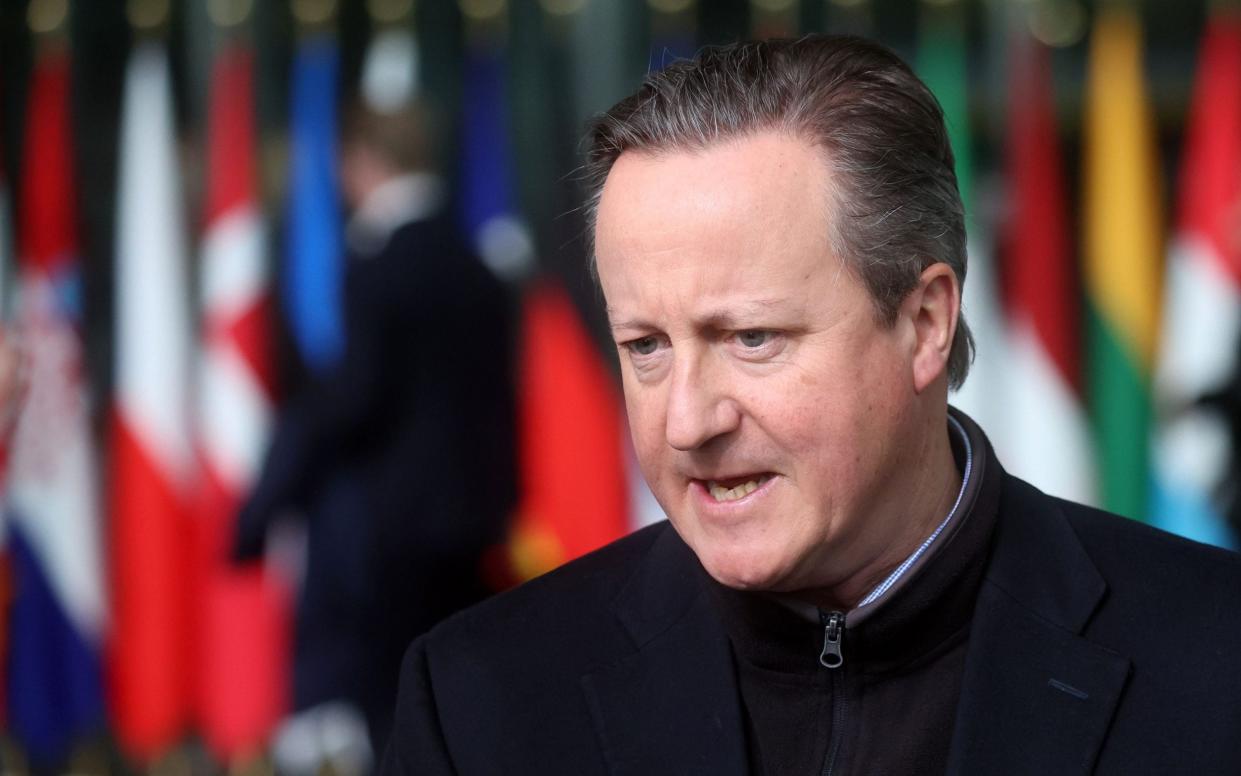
(1036, 697)
(673, 705)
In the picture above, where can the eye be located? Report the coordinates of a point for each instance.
(643, 346)
(755, 338)
(757, 344)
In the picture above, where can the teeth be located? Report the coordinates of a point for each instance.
(721, 493)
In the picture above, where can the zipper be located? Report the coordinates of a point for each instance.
(832, 658)
(833, 631)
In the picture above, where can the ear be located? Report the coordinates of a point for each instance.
(934, 307)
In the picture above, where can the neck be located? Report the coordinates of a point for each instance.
(903, 521)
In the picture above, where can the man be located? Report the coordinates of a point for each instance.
(418, 416)
(849, 583)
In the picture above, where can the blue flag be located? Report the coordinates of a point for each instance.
(314, 258)
(489, 212)
(487, 179)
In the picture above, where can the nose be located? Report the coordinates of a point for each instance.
(699, 405)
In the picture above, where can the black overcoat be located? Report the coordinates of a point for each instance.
(1098, 645)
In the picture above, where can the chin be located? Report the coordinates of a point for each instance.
(744, 568)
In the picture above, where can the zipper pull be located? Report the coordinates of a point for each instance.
(833, 632)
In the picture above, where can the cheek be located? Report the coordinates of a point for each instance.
(850, 435)
(645, 415)
(825, 422)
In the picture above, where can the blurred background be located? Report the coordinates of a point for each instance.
(299, 351)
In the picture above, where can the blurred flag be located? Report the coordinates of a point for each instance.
(152, 455)
(247, 630)
(942, 65)
(242, 661)
(1049, 438)
(1123, 251)
(1202, 316)
(314, 264)
(487, 185)
(573, 470)
(58, 614)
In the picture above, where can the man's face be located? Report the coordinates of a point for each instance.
(769, 406)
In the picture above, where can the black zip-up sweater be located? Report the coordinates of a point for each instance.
(890, 704)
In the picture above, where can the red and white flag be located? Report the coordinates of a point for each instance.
(152, 453)
(1201, 327)
(243, 660)
(1047, 434)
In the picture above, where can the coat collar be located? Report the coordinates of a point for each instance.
(1036, 697)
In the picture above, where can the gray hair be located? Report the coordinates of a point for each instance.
(896, 209)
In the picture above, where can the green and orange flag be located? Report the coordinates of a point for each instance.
(1123, 256)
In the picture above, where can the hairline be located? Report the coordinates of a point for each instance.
(837, 243)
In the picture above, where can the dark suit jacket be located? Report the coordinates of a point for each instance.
(417, 419)
(1097, 645)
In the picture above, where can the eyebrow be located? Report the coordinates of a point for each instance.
(732, 317)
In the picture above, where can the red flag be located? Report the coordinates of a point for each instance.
(1042, 279)
(573, 474)
(245, 676)
(242, 664)
(1211, 172)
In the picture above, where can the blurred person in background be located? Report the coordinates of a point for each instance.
(418, 414)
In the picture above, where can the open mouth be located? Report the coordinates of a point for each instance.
(736, 488)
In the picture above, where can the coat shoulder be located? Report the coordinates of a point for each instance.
(1161, 564)
(498, 685)
(1171, 606)
(540, 637)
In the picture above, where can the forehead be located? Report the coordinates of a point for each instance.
(767, 171)
(750, 210)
